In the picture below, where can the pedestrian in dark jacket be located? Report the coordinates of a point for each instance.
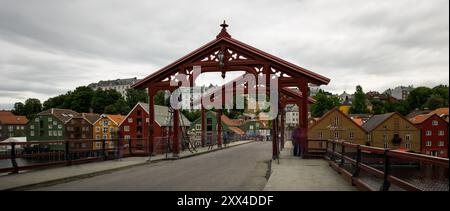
(296, 141)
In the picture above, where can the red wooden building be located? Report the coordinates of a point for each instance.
(434, 134)
(135, 127)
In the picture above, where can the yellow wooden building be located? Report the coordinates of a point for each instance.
(335, 125)
(392, 131)
(106, 128)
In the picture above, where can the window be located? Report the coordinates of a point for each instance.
(97, 129)
(105, 137)
(408, 137)
(441, 133)
(130, 120)
(59, 133)
(50, 126)
(17, 127)
(97, 137)
(105, 123)
(386, 145)
(31, 127)
(22, 127)
(336, 121)
(408, 145)
(10, 128)
(369, 137)
(55, 122)
(49, 119)
(251, 127)
(36, 120)
(127, 137)
(336, 135)
(198, 126)
(126, 128)
(351, 135)
(31, 133)
(55, 133)
(428, 143)
(441, 143)
(50, 133)
(111, 130)
(105, 129)
(59, 126)
(320, 134)
(435, 123)
(428, 133)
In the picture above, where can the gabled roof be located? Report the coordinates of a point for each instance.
(335, 109)
(237, 130)
(91, 117)
(376, 120)
(8, 118)
(62, 114)
(116, 118)
(236, 44)
(440, 111)
(419, 119)
(161, 115)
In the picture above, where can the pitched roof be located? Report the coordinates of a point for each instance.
(236, 44)
(62, 114)
(440, 111)
(116, 118)
(358, 121)
(230, 122)
(419, 119)
(162, 115)
(7, 117)
(376, 120)
(417, 112)
(335, 109)
(91, 117)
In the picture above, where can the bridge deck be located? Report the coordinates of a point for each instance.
(295, 174)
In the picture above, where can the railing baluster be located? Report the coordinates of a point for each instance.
(104, 149)
(129, 147)
(342, 155)
(13, 158)
(358, 161)
(67, 156)
(387, 167)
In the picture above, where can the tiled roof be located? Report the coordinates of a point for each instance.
(440, 111)
(376, 120)
(417, 112)
(7, 117)
(230, 122)
(62, 114)
(420, 118)
(358, 121)
(116, 118)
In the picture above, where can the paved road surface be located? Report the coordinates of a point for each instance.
(239, 168)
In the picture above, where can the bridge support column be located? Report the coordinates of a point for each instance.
(219, 128)
(176, 137)
(282, 128)
(203, 138)
(151, 122)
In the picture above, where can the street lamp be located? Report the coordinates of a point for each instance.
(221, 57)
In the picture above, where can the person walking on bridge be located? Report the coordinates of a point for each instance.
(296, 141)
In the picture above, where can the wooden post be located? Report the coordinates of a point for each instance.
(274, 139)
(151, 122)
(129, 147)
(203, 127)
(341, 164)
(67, 153)
(358, 161)
(304, 115)
(13, 158)
(105, 157)
(282, 127)
(219, 128)
(176, 130)
(387, 168)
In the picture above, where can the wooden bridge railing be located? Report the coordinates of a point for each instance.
(396, 170)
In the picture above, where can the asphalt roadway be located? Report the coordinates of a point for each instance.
(240, 168)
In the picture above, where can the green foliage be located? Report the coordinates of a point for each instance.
(136, 95)
(325, 102)
(435, 101)
(418, 97)
(119, 107)
(378, 107)
(102, 99)
(441, 91)
(55, 102)
(80, 99)
(192, 116)
(31, 107)
(359, 103)
(19, 108)
(160, 99)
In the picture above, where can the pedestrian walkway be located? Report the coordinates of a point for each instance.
(296, 174)
(50, 176)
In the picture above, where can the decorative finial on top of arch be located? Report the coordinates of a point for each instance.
(223, 32)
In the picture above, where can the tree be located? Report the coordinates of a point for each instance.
(136, 95)
(32, 106)
(401, 106)
(55, 102)
(441, 91)
(325, 102)
(418, 97)
(80, 99)
(19, 108)
(101, 99)
(160, 99)
(435, 101)
(378, 107)
(119, 107)
(359, 103)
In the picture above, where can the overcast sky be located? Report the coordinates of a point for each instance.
(50, 47)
